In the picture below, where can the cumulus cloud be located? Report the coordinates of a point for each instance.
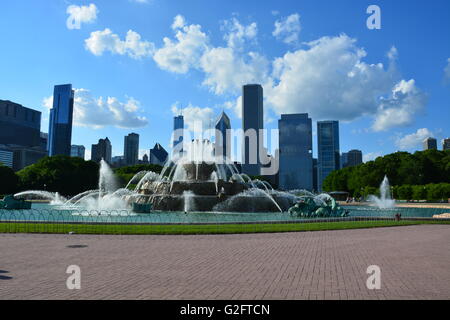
(80, 14)
(184, 52)
(236, 34)
(288, 29)
(328, 80)
(392, 53)
(413, 140)
(90, 111)
(178, 22)
(106, 40)
(196, 119)
(400, 108)
(226, 71)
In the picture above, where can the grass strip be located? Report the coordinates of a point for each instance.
(52, 228)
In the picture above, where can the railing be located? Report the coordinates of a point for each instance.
(124, 222)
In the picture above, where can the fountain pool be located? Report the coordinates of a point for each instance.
(196, 188)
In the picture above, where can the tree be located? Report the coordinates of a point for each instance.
(63, 174)
(402, 168)
(404, 192)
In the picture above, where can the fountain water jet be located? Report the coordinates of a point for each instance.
(384, 201)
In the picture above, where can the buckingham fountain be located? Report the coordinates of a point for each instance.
(197, 181)
(200, 181)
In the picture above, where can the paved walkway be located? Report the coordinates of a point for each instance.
(414, 261)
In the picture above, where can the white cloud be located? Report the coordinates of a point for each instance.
(371, 156)
(178, 22)
(80, 14)
(447, 70)
(196, 119)
(226, 71)
(413, 140)
(235, 106)
(328, 80)
(140, 1)
(183, 53)
(236, 34)
(106, 40)
(99, 112)
(400, 108)
(288, 29)
(392, 53)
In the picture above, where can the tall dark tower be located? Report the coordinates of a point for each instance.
(328, 149)
(131, 149)
(252, 124)
(60, 124)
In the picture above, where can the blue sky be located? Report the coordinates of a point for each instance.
(389, 88)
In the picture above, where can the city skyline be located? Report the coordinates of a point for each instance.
(125, 76)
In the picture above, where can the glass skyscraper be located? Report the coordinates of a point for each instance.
(223, 126)
(252, 124)
(328, 149)
(295, 142)
(131, 149)
(430, 143)
(60, 124)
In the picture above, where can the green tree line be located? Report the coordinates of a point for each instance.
(421, 175)
(63, 174)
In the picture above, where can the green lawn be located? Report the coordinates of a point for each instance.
(200, 229)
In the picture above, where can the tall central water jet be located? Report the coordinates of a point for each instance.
(198, 179)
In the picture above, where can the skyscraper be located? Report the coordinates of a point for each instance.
(328, 149)
(223, 126)
(20, 134)
(19, 125)
(77, 151)
(252, 125)
(315, 186)
(60, 123)
(102, 150)
(430, 143)
(6, 158)
(131, 149)
(296, 162)
(158, 155)
(354, 158)
(178, 127)
(446, 144)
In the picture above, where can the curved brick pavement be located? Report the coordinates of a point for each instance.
(415, 263)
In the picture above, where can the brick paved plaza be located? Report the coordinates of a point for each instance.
(414, 261)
